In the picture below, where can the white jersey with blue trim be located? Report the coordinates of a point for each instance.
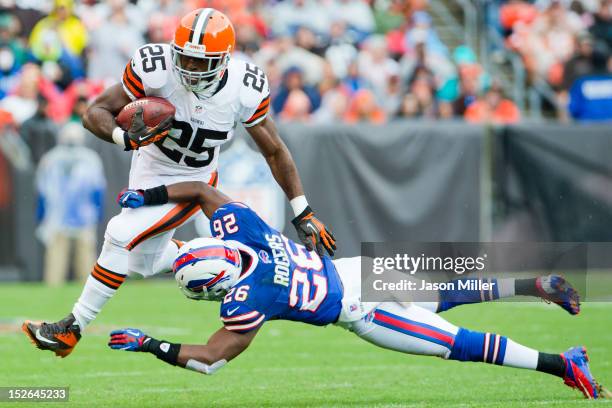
(283, 281)
(201, 125)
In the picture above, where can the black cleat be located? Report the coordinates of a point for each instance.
(60, 337)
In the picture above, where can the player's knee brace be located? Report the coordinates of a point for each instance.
(118, 232)
(477, 346)
(113, 257)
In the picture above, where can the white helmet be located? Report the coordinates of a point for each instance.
(206, 268)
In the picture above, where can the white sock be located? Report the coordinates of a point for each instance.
(93, 298)
(95, 294)
(520, 356)
(506, 287)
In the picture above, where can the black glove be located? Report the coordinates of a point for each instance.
(139, 134)
(313, 233)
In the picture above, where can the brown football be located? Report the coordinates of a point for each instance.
(154, 111)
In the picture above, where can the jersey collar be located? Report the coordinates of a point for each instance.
(219, 87)
(222, 82)
(250, 251)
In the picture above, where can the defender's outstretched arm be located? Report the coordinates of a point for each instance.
(222, 347)
(208, 197)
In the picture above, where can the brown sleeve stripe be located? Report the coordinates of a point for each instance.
(133, 82)
(130, 87)
(133, 75)
(264, 102)
(257, 115)
(262, 109)
(214, 179)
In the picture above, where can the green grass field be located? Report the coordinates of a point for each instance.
(289, 364)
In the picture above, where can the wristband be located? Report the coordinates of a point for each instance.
(298, 218)
(163, 350)
(298, 204)
(156, 195)
(119, 136)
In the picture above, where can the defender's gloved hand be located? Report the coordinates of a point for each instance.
(131, 198)
(129, 340)
(313, 233)
(139, 134)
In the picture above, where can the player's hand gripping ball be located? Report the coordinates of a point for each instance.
(128, 340)
(145, 121)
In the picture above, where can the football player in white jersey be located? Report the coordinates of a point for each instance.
(212, 93)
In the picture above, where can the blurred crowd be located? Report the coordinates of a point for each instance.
(327, 61)
(561, 41)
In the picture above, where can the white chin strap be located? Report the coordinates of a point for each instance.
(195, 365)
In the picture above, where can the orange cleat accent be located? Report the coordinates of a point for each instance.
(60, 337)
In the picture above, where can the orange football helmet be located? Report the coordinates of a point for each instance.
(208, 35)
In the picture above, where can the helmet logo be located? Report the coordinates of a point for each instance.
(231, 255)
(195, 47)
(263, 255)
(198, 285)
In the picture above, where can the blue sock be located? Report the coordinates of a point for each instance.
(470, 346)
(451, 298)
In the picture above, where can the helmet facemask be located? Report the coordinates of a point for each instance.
(202, 276)
(202, 82)
(215, 293)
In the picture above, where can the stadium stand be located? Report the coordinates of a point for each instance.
(327, 60)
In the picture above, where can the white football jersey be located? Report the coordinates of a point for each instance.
(201, 126)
